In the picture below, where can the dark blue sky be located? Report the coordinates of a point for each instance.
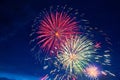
(16, 19)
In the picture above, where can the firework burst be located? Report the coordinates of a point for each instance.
(54, 27)
(76, 53)
(92, 72)
(57, 33)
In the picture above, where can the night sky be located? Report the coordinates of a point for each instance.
(16, 19)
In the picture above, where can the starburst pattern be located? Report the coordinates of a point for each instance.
(92, 72)
(54, 28)
(75, 53)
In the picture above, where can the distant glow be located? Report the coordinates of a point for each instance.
(92, 72)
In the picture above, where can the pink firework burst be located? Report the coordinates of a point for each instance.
(92, 72)
(54, 28)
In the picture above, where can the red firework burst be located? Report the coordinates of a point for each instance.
(55, 28)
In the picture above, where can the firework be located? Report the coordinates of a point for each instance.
(75, 56)
(76, 53)
(57, 32)
(54, 27)
(92, 72)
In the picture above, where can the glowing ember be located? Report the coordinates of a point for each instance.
(92, 72)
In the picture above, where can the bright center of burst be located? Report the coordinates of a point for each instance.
(73, 57)
(57, 34)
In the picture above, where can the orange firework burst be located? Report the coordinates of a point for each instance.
(92, 72)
